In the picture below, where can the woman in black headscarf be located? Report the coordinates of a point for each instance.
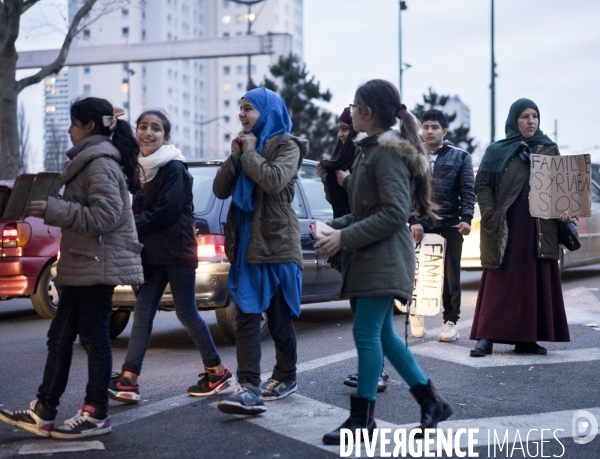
(520, 298)
(334, 170)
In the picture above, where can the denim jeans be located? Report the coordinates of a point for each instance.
(84, 311)
(248, 342)
(183, 288)
(451, 292)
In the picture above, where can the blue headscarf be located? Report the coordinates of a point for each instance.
(274, 119)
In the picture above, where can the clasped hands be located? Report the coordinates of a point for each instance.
(242, 143)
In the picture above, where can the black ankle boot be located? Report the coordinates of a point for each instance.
(434, 407)
(482, 348)
(361, 417)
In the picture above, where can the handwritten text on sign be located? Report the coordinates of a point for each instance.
(560, 183)
(429, 275)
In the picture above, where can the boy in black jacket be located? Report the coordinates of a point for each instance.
(453, 183)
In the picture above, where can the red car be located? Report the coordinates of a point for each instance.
(27, 252)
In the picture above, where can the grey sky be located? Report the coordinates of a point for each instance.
(546, 50)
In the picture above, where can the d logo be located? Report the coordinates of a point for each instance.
(582, 420)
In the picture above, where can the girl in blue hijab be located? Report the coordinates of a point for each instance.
(262, 242)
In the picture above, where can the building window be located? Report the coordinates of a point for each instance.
(240, 69)
(226, 19)
(87, 70)
(226, 103)
(226, 119)
(227, 137)
(240, 85)
(143, 35)
(225, 3)
(227, 87)
(125, 32)
(125, 12)
(87, 89)
(225, 34)
(86, 34)
(226, 70)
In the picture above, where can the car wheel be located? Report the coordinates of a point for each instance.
(117, 322)
(45, 297)
(226, 321)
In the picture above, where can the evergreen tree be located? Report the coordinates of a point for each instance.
(458, 136)
(299, 90)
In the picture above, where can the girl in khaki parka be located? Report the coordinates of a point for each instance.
(391, 171)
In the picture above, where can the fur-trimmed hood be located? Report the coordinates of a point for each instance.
(417, 162)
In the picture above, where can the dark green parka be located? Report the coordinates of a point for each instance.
(379, 255)
(494, 202)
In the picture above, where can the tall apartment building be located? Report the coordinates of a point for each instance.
(463, 113)
(56, 120)
(229, 76)
(198, 94)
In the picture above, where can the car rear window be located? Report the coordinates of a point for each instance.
(4, 194)
(203, 185)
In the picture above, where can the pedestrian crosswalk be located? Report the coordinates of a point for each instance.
(305, 419)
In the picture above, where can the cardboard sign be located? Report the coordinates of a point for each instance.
(429, 275)
(27, 188)
(560, 183)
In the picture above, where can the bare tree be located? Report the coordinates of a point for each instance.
(24, 145)
(10, 20)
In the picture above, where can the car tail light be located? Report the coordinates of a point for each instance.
(16, 234)
(211, 246)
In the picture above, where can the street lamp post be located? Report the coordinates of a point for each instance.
(402, 6)
(250, 18)
(202, 123)
(493, 84)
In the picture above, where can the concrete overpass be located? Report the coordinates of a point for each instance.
(247, 45)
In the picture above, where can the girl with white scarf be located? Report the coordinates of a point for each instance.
(164, 219)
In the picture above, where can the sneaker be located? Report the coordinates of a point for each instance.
(123, 390)
(275, 390)
(246, 400)
(449, 332)
(417, 326)
(210, 383)
(83, 424)
(352, 381)
(28, 420)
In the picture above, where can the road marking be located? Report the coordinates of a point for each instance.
(581, 305)
(460, 355)
(307, 420)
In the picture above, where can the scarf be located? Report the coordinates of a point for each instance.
(274, 119)
(341, 159)
(499, 153)
(151, 164)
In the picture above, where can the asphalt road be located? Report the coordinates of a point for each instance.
(506, 396)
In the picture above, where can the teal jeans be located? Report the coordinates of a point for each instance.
(374, 336)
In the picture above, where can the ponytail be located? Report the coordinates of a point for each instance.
(93, 109)
(125, 142)
(383, 98)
